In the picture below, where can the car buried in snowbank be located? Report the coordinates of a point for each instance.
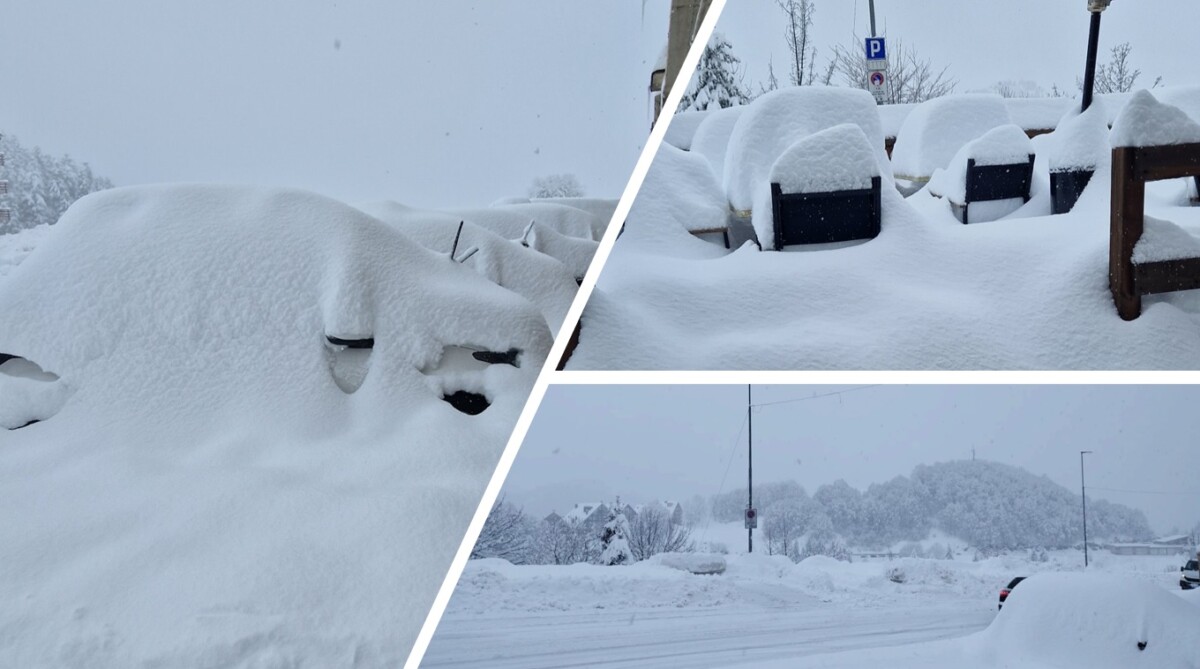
(1189, 574)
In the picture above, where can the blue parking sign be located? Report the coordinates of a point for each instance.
(875, 49)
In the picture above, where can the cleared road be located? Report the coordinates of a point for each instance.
(690, 637)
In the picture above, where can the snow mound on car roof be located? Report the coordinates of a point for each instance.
(1092, 620)
(211, 494)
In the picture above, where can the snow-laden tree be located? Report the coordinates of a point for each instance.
(843, 504)
(506, 533)
(651, 532)
(556, 185)
(41, 187)
(717, 82)
(730, 506)
(614, 539)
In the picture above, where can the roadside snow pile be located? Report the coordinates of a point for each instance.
(695, 563)
(14, 248)
(227, 485)
(935, 131)
(679, 195)
(1087, 620)
(775, 121)
(1147, 122)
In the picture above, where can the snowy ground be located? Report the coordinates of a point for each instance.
(1026, 291)
(762, 611)
(212, 480)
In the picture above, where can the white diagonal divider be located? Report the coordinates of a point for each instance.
(548, 369)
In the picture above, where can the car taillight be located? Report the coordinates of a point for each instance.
(1004, 593)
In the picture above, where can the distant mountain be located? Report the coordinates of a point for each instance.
(40, 186)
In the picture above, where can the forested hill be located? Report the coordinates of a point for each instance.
(40, 186)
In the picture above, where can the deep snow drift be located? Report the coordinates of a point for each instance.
(1026, 291)
(246, 453)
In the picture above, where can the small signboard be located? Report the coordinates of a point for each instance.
(875, 81)
(3, 187)
(5, 215)
(751, 518)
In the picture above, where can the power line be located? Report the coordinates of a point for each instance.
(816, 397)
(1150, 492)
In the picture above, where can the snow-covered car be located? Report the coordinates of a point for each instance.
(1189, 575)
(1006, 590)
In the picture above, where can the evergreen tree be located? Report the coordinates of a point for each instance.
(718, 79)
(615, 539)
(40, 186)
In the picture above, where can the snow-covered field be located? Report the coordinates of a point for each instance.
(1028, 290)
(768, 611)
(242, 454)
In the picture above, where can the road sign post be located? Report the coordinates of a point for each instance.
(876, 52)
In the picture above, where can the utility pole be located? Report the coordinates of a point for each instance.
(750, 468)
(1089, 72)
(872, 3)
(686, 16)
(1083, 494)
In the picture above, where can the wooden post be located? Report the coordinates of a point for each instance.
(1128, 201)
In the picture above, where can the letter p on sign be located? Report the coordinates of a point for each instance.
(876, 49)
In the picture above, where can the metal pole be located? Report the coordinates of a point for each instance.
(1083, 495)
(749, 463)
(1089, 73)
(872, 3)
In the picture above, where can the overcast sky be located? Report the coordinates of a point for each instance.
(591, 443)
(982, 42)
(428, 103)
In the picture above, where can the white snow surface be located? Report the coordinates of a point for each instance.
(768, 611)
(712, 137)
(837, 158)
(1040, 113)
(777, 120)
(683, 128)
(208, 495)
(935, 131)
(1057, 621)
(542, 279)
(602, 209)
(1026, 292)
(1002, 145)
(678, 195)
(1145, 121)
(1163, 240)
(15, 247)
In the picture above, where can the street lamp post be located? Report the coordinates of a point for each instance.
(1083, 495)
(1096, 7)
